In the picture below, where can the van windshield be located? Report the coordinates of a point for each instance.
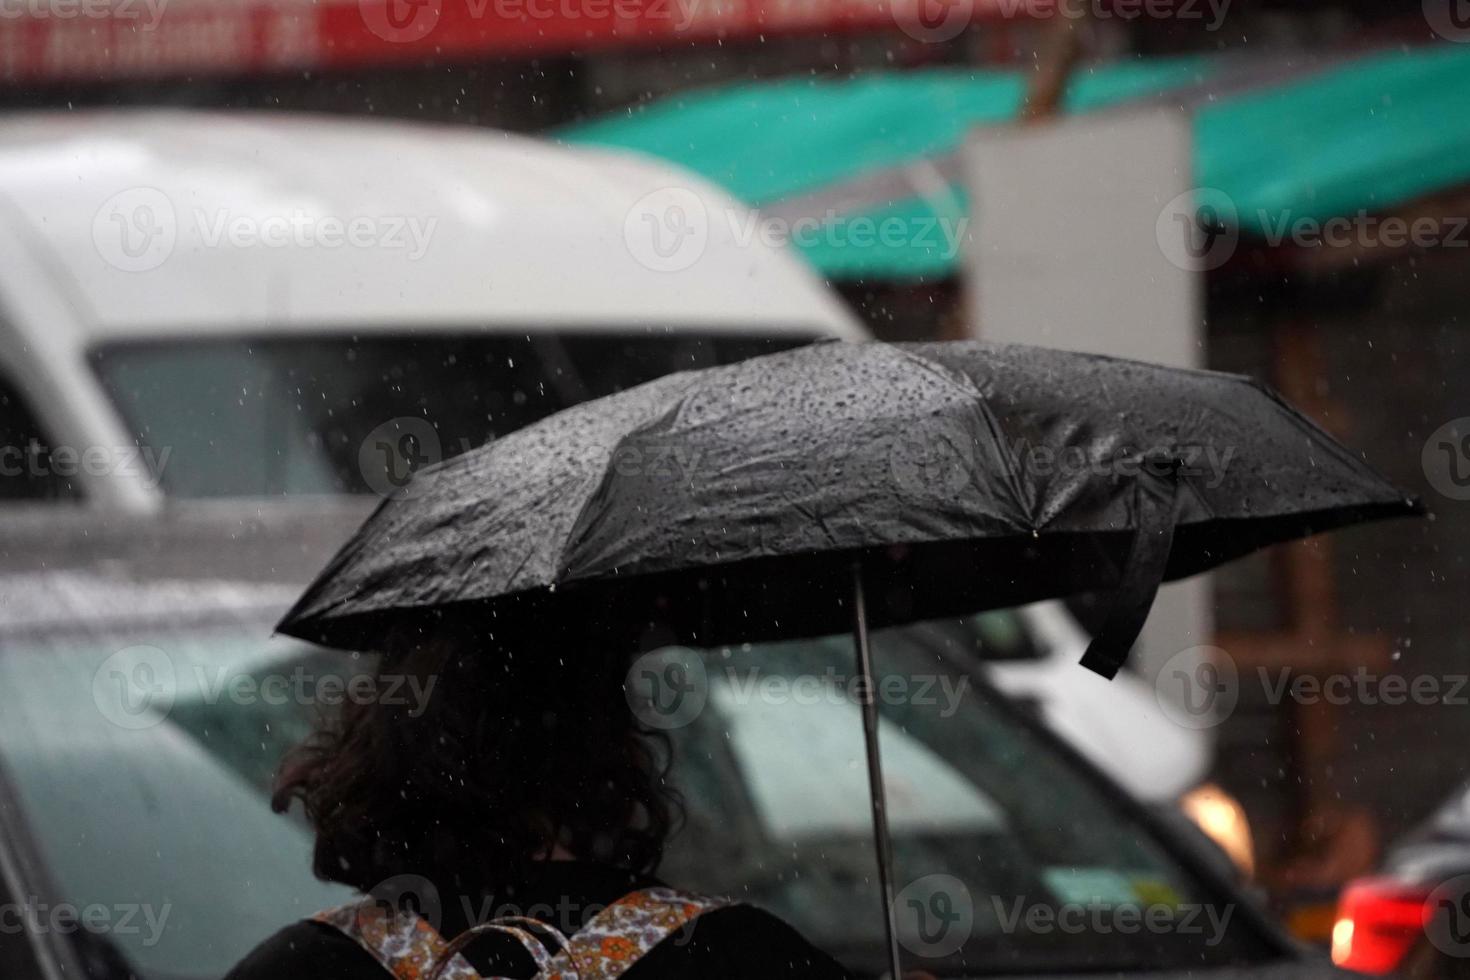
(338, 413)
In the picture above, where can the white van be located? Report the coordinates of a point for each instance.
(246, 297)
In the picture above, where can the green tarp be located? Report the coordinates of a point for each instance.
(1365, 134)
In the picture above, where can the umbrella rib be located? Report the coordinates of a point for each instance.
(578, 521)
(1319, 436)
(979, 402)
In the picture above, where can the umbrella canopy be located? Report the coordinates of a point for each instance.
(732, 503)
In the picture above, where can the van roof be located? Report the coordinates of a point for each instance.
(162, 222)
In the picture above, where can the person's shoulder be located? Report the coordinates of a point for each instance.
(739, 941)
(305, 950)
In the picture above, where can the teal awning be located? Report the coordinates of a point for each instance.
(1364, 134)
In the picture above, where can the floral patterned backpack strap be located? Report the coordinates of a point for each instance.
(403, 943)
(624, 932)
(517, 926)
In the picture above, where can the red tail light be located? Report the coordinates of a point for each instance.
(1378, 921)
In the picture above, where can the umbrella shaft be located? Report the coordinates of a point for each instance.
(877, 794)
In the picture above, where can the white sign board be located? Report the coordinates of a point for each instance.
(1071, 248)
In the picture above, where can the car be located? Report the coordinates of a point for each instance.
(1411, 918)
(1123, 726)
(148, 704)
(204, 305)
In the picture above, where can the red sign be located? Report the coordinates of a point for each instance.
(107, 39)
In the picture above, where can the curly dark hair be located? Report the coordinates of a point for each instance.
(514, 755)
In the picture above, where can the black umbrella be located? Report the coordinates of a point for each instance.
(763, 499)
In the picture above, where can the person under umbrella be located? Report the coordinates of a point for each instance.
(527, 788)
(940, 478)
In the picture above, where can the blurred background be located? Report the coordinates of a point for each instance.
(1275, 188)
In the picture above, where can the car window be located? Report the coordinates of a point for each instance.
(1008, 857)
(19, 955)
(990, 637)
(152, 810)
(28, 470)
(356, 414)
